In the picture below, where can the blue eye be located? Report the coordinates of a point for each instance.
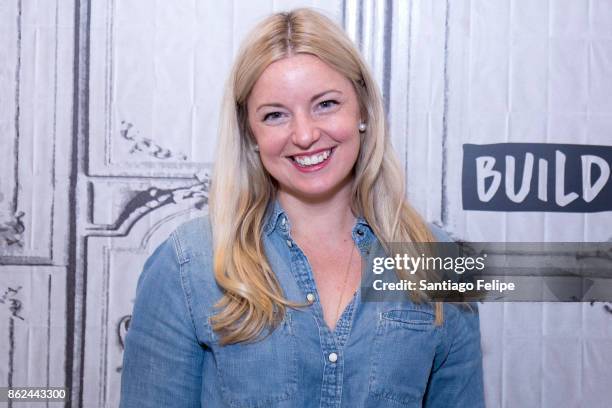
(330, 103)
(272, 116)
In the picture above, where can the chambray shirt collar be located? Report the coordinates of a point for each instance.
(276, 217)
(273, 216)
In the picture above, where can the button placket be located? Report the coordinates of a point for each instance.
(331, 342)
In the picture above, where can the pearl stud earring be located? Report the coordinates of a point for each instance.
(362, 127)
(256, 148)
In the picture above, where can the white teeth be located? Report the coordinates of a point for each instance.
(314, 159)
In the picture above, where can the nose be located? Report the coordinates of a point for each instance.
(305, 131)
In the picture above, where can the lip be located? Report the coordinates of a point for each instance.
(305, 154)
(316, 167)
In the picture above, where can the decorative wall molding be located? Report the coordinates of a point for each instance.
(113, 94)
(30, 141)
(32, 321)
(143, 203)
(10, 298)
(146, 145)
(12, 229)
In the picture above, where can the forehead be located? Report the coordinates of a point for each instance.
(298, 75)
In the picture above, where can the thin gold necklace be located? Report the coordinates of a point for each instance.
(346, 274)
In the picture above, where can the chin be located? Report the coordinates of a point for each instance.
(318, 192)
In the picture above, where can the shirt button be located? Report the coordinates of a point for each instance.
(333, 357)
(289, 243)
(310, 297)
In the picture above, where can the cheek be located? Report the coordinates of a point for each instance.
(268, 139)
(346, 135)
(343, 128)
(270, 145)
(271, 149)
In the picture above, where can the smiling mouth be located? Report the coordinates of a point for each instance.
(312, 160)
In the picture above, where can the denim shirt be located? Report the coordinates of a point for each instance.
(380, 354)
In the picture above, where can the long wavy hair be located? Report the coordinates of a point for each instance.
(241, 188)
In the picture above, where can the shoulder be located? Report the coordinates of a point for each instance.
(194, 251)
(193, 239)
(190, 242)
(439, 233)
(178, 275)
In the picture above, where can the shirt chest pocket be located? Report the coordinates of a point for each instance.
(259, 374)
(402, 356)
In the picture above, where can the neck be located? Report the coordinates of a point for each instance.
(331, 218)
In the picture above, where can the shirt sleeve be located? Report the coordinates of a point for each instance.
(162, 362)
(456, 380)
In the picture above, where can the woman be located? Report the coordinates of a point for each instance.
(259, 305)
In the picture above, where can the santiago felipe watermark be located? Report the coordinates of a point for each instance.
(489, 272)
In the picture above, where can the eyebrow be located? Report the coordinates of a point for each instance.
(315, 97)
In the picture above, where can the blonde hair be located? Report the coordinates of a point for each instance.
(241, 189)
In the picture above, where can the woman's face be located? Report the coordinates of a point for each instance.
(305, 116)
